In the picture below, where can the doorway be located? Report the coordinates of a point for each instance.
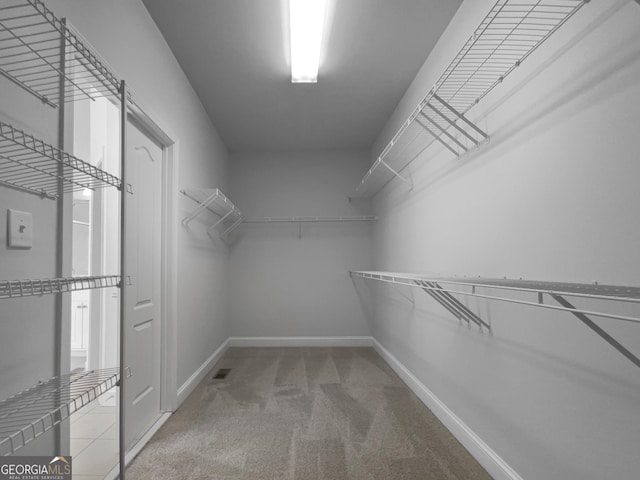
(94, 313)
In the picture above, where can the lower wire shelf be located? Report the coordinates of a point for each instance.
(29, 414)
(444, 289)
(27, 288)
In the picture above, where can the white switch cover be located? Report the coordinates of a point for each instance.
(19, 229)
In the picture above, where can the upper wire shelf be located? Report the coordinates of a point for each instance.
(213, 200)
(30, 164)
(32, 38)
(28, 288)
(511, 31)
(29, 414)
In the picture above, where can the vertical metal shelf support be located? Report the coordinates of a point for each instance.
(123, 273)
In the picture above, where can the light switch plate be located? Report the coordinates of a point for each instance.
(19, 229)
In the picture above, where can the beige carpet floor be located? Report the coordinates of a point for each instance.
(304, 414)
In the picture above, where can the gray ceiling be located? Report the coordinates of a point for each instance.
(235, 54)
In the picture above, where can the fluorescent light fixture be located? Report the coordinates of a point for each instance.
(306, 19)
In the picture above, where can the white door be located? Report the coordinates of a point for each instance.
(142, 299)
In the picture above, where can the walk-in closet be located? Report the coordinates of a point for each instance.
(319, 239)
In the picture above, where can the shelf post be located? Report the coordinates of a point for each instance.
(123, 274)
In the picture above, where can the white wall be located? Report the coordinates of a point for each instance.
(554, 196)
(283, 285)
(124, 34)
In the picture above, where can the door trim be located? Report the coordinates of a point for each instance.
(168, 253)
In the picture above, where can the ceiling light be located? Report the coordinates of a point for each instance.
(307, 24)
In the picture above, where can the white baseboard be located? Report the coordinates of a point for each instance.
(300, 341)
(187, 387)
(489, 459)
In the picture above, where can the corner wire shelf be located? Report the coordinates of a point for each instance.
(213, 200)
(443, 289)
(28, 288)
(511, 31)
(30, 56)
(312, 219)
(29, 414)
(30, 164)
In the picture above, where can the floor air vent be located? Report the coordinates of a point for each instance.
(221, 374)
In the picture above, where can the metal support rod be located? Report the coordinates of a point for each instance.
(457, 305)
(459, 115)
(452, 123)
(232, 227)
(441, 301)
(123, 273)
(599, 330)
(437, 137)
(397, 174)
(463, 308)
(60, 237)
(220, 220)
(444, 132)
(203, 205)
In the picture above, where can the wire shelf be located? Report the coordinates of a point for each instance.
(32, 38)
(614, 293)
(30, 164)
(444, 289)
(511, 31)
(29, 414)
(27, 288)
(213, 200)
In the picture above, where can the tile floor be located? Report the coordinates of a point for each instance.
(94, 441)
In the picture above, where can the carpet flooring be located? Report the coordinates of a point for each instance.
(304, 414)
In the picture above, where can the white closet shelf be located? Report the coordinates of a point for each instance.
(29, 414)
(511, 31)
(31, 57)
(443, 289)
(30, 164)
(353, 218)
(26, 288)
(213, 200)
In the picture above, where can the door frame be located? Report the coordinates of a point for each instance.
(168, 253)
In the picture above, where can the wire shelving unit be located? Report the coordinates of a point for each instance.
(29, 414)
(445, 289)
(45, 56)
(31, 37)
(213, 200)
(27, 288)
(511, 31)
(30, 164)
